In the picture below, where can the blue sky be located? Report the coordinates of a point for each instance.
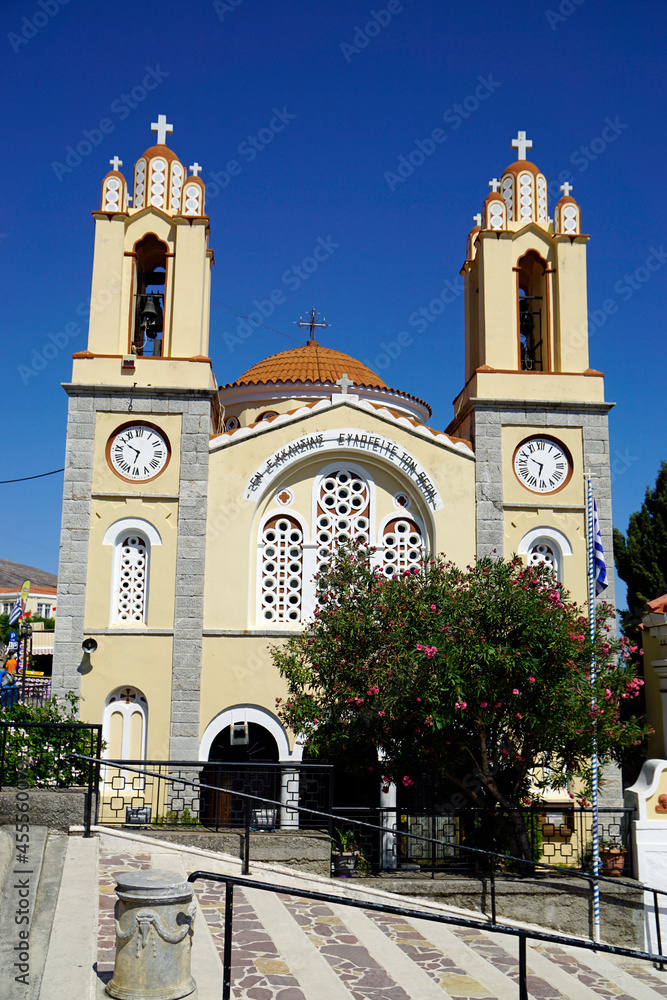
(350, 87)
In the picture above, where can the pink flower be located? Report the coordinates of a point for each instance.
(461, 704)
(515, 691)
(381, 714)
(532, 680)
(519, 715)
(483, 704)
(433, 607)
(418, 699)
(407, 781)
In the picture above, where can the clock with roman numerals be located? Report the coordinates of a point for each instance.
(138, 452)
(542, 464)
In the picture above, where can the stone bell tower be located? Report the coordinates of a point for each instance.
(142, 403)
(531, 404)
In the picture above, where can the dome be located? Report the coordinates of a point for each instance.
(310, 363)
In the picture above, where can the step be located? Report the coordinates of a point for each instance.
(294, 949)
(19, 892)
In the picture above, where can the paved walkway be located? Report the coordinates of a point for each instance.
(286, 948)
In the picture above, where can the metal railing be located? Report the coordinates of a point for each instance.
(522, 934)
(489, 859)
(47, 757)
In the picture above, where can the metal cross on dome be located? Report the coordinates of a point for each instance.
(116, 163)
(566, 188)
(477, 219)
(311, 323)
(495, 185)
(161, 127)
(195, 168)
(521, 144)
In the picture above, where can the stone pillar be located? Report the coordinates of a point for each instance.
(389, 842)
(289, 795)
(154, 918)
(648, 796)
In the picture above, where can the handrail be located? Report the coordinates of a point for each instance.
(521, 933)
(563, 873)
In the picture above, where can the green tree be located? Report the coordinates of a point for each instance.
(484, 674)
(641, 554)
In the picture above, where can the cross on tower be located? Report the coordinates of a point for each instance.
(195, 168)
(344, 382)
(311, 324)
(116, 163)
(566, 188)
(161, 127)
(521, 144)
(494, 185)
(477, 219)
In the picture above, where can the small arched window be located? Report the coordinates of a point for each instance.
(281, 588)
(151, 275)
(132, 539)
(546, 547)
(532, 314)
(403, 546)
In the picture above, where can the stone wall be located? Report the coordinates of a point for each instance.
(58, 809)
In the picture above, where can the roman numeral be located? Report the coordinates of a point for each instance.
(158, 453)
(154, 464)
(125, 466)
(135, 470)
(140, 432)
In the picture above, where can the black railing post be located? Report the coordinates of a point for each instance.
(433, 846)
(492, 887)
(89, 799)
(4, 727)
(523, 986)
(246, 844)
(227, 952)
(656, 910)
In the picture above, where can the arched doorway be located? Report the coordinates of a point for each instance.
(242, 758)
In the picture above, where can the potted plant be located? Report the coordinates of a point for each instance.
(345, 853)
(612, 856)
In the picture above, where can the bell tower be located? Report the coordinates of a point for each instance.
(142, 404)
(528, 387)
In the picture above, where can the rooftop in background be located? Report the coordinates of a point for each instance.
(14, 574)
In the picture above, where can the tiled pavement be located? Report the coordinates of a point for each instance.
(286, 948)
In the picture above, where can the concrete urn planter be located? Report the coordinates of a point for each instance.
(345, 863)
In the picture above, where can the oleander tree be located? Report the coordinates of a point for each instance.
(481, 674)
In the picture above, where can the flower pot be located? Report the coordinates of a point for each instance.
(613, 861)
(345, 863)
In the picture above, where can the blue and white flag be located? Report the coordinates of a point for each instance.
(601, 582)
(16, 612)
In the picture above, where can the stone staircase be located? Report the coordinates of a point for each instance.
(284, 948)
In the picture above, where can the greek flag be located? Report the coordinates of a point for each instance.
(16, 612)
(601, 582)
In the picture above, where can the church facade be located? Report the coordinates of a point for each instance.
(171, 477)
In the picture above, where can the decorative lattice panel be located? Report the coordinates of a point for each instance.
(526, 212)
(403, 546)
(542, 554)
(343, 512)
(507, 191)
(282, 570)
(133, 573)
(541, 199)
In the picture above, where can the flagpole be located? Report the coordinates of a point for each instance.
(594, 761)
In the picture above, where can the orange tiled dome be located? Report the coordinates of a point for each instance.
(310, 363)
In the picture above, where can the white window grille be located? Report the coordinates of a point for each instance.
(282, 570)
(542, 554)
(343, 512)
(403, 545)
(132, 556)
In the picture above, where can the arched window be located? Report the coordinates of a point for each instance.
(403, 546)
(533, 313)
(543, 554)
(546, 546)
(132, 539)
(151, 272)
(343, 510)
(124, 724)
(281, 589)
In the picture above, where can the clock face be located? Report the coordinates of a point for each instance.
(542, 465)
(138, 452)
